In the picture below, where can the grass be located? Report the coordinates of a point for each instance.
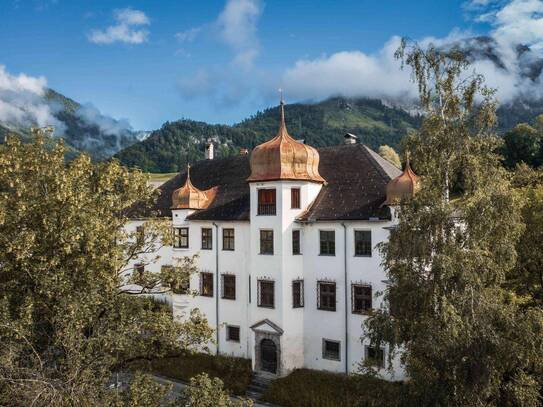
(155, 177)
(234, 372)
(312, 388)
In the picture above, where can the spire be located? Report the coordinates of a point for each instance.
(282, 125)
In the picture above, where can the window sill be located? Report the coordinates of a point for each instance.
(296, 254)
(326, 309)
(228, 250)
(363, 255)
(332, 359)
(206, 248)
(232, 340)
(327, 255)
(228, 298)
(265, 254)
(363, 313)
(267, 306)
(297, 306)
(206, 295)
(181, 248)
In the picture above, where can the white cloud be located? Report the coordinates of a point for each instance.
(22, 102)
(128, 29)
(188, 35)
(237, 26)
(354, 73)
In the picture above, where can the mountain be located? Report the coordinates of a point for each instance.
(321, 124)
(83, 128)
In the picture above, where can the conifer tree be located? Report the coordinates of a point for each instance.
(464, 338)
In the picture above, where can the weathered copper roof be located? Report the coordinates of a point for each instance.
(283, 158)
(190, 197)
(404, 186)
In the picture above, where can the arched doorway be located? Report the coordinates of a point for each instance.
(268, 356)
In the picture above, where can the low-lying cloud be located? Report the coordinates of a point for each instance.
(22, 103)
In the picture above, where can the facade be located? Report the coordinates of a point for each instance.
(287, 240)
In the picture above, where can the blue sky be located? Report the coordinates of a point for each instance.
(218, 61)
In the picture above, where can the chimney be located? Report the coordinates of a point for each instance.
(350, 138)
(243, 151)
(209, 150)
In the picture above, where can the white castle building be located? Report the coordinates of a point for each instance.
(287, 240)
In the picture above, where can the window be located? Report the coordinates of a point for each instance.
(330, 349)
(297, 293)
(374, 357)
(328, 242)
(266, 293)
(296, 242)
(177, 287)
(266, 202)
(181, 238)
(139, 268)
(206, 284)
(295, 198)
(362, 243)
(228, 239)
(229, 286)
(140, 235)
(232, 333)
(326, 296)
(361, 298)
(266, 242)
(207, 238)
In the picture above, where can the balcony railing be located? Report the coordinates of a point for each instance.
(266, 209)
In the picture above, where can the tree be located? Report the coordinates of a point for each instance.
(388, 153)
(66, 321)
(465, 340)
(523, 143)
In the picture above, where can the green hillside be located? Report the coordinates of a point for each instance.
(322, 124)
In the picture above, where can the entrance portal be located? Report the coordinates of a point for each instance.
(268, 356)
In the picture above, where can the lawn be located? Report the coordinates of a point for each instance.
(234, 372)
(312, 388)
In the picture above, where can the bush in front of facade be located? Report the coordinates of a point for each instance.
(234, 372)
(312, 388)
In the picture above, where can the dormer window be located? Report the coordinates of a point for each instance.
(266, 202)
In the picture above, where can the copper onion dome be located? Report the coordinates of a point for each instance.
(403, 186)
(283, 158)
(190, 197)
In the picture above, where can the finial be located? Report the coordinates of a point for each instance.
(282, 108)
(188, 174)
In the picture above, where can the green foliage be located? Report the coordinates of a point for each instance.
(523, 143)
(204, 391)
(388, 153)
(312, 388)
(235, 372)
(66, 322)
(467, 341)
(323, 124)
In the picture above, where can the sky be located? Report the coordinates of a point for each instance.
(151, 61)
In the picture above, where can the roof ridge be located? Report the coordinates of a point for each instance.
(378, 162)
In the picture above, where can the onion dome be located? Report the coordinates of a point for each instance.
(283, 158)
(190, 197)
(403, 186)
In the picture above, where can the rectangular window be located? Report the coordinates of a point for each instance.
(296, 242)
(139, 268)
(328, 242)
(326, 296)
(295, 198)
(232, 333)
(266, 242)
(207, 238)
(266, 202)
(297, 293)
(140, 235)
(228, 239)
(229, 286)
(374, 357)
(206, 284)
(181, 238)
(177, 287)
(361, 297)
(330, 349)
(362, 243)
(266, 294)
